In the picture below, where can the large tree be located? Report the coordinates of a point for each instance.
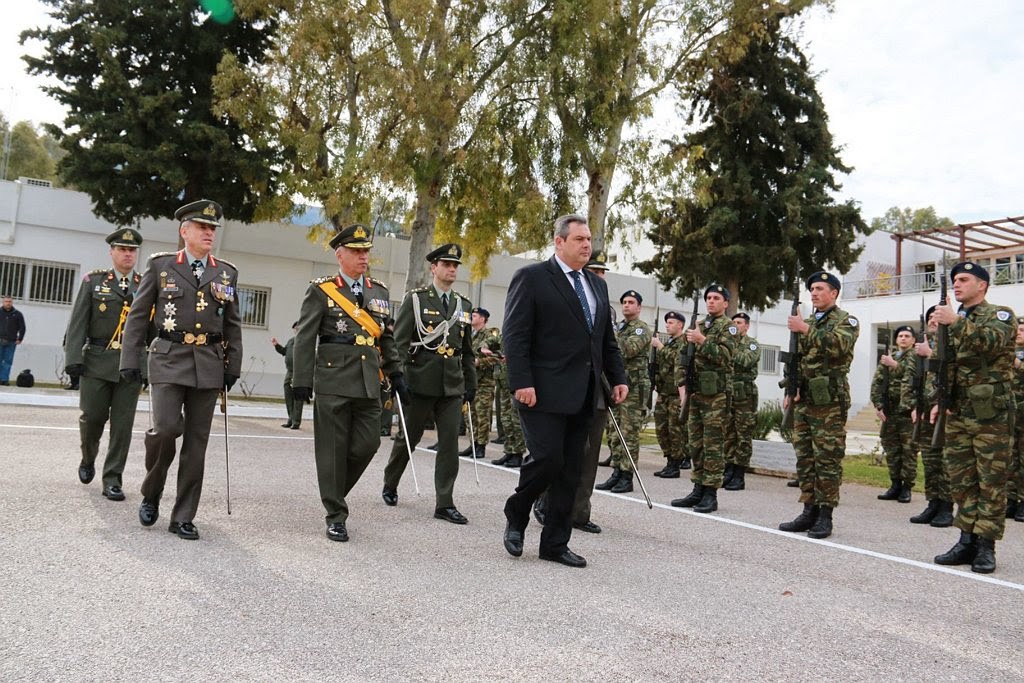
(140, 132)
(898, 220)
(26, 152)
(751, 205)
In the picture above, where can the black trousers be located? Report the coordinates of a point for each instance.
(557, 443)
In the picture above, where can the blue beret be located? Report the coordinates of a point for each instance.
(970, 268)
(717, 289)
(822, 276)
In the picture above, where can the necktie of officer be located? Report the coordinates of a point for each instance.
(577, 284)
(444, 303)
(197, 269)
(123, 284)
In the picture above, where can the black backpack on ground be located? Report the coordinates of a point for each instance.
(26, 380)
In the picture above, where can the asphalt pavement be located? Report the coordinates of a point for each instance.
(89, 594)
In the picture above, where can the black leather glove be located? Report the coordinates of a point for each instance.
(400, 389)
(229, 381)
(469, 395)
(74, 371)
(304, 394)
(131, 375)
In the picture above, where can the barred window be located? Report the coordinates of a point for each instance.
(45, 282)
(253, 303)
(769, 359)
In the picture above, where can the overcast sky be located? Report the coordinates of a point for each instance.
(924, 96)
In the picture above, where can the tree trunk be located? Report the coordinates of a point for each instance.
(598, 193)
(734, 297)
(422, 234)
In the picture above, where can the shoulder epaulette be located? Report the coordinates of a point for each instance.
(321, 280)
(227, 263)
(378, 282)
(162, 253)
(419, 289)
(99, 271)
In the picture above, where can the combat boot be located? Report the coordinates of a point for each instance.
(928, 514)
(823, 525)
(737, 483)
(466, 452)
(515, 460)
(985, 558)
(479, 450)
(1011, 508)
(892, 493)
(727, 473)
(1019, 517)
(804, 521)
(685, 464)
(944, 515)
(691, 499)
(671, 470)
(961, 553)
(906, 488)
(503, 459)
(661, 472)
(708, 501)
(624, 484)
(612, 480)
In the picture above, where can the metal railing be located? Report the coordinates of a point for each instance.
(885, 284)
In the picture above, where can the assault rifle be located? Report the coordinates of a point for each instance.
(688, 357)
(940, 366)
(652, 364)
(792, 360)
(887, 371)
(917, 386)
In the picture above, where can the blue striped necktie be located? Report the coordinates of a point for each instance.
(577, 284)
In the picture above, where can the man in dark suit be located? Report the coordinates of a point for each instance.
(558, 342)
(191, 297)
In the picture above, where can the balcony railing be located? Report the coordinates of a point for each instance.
(914, 283)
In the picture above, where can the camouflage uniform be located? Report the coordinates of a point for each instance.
(740, 437)
(936, 481)
(978, 431)
(515, 441)
(1015, 479)
(819, 430)
(483, 403)
(709, 401)
(634, 338)
(668, 422)
(896, 433)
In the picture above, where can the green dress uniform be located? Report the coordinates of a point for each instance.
(435, 345)
(897, 431)
(744, 408)
(93, 351)
(293, 406)
(483, 404)
(336, 355)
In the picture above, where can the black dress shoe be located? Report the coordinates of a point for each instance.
(294, 426)
(513, 540)
(539, 513)
(450, 515)
(149, 512)
(287, 425)
(336, 531)
(390, 497)
(566, 557)
(113, 493)
(589, 527)
(86, 473)
(185, 530)
(431, 447)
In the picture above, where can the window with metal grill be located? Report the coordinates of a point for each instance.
(44, 282)
(253, 304)
(769, 359)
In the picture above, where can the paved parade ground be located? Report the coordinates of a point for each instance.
(669, 595)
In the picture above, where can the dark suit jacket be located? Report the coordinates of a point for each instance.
(547, 345)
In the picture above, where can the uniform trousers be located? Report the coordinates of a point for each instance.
(100, 401)
(446, 411)
(346, 435)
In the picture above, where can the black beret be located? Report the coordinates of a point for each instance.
(446, 252)
(741, 314)
(717, 289)
(673, 315)
(828, 278)
(355, 236)
(633, 293)
(970, 268)
(598, 261)
(128, 237)
(902, 328)
(929, 312)
(482, 311)
(203, 211)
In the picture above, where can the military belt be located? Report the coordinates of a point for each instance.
(201, 339)
(348, 339)
(100, 341)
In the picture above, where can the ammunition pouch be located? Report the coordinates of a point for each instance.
(818, 390)
(739, 391)
(707, 383)
(982, 398)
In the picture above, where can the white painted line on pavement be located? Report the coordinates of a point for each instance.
(143, 431)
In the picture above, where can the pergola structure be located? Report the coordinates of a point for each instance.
(976, 239)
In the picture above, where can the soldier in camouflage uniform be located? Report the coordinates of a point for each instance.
(939, 511)
(514, 443)
(982, 410)
(897, 430)
(1015, 479)
(92, 352)
(668, 382)
(740, 445)
(487, 351)
(826, 346)
(634, 338)
(715, 346)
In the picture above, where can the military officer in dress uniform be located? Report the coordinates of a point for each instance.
(435, 343)
(92, 353)
(343, 350)
(191, 298)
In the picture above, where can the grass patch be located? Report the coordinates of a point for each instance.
(863, 470)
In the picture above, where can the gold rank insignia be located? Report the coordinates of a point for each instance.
(103, 306)
(127, 235)
(359, 233)
(453, 251)
(210, 210)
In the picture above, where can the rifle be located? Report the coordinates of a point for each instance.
(940, 366)
(886, 371)
(917, 386)
(688, 357)
(792, 360)
(652, 365)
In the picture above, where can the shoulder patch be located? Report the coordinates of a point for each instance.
(732, 329)
(640, 330)
(753, 347)
(1003, 315)
(853, 321)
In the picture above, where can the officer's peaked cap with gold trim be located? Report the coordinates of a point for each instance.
(355, 236)
(203, 211)
(446, 252)
(125, 237)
